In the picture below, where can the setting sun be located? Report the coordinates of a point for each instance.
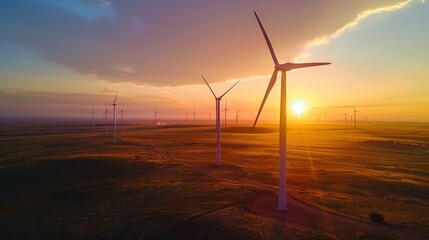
(298, 107)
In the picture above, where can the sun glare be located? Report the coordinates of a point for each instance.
(298, 108)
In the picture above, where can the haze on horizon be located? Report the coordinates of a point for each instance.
(59, 59)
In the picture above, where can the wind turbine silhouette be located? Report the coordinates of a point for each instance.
(210, 117)
(236, 117)
(92, 118)
(226, 109)
(194, 115)
(105, 120)
(345, 118)
(186, 115)
(156, 115)
(122, 119)
(283, 68)
(354, 116)
(114, 117)
(218, 99)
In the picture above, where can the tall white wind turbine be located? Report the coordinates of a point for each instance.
(218, 99)
(114, 117)
(105, 119)
(283, 68)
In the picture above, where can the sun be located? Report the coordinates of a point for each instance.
(298, 107)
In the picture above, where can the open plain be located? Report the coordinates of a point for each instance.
(67, 181)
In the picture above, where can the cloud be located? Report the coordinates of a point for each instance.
(362, 15)
(171, 43)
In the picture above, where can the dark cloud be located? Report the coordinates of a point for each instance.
(170, 43)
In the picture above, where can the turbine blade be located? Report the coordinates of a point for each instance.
(306, 65)
(270, 86)
(209, 86)
(273, 55)
(114, 102)
(229, 89)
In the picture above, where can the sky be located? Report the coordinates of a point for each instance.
(62, 58)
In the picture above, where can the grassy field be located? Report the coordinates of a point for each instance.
(161, 183)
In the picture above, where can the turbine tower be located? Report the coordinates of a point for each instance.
(345, 118)
(218, 99)
(186, 115)
(194, 115)
(122, 119)
(105, 119)
(92, 118)
(283, 68)
(114, 117)
(156, 115)
(354, 116)
(210, 117)
(236, 117)
(225, 109)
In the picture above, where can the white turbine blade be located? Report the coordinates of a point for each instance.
(114, 102)
(267, 40)
(306, 65)
(209, 86)
(229, 89)
(270, 86)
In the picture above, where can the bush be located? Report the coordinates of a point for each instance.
(376, 217)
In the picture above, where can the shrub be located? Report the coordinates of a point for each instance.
(376, 217)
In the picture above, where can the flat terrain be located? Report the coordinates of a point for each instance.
(66, 181)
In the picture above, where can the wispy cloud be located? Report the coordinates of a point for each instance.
(361, 16)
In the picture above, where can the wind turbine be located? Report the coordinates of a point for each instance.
(354, 113)
(283, 68)
(186, 115)
(194, 115)
(114, 117)
(236, 117)
(105, 120)
(218, 99)
(225, 109)
(210, 116)
(92, 118)
(122, 119)
(156, 114)
(345, 118)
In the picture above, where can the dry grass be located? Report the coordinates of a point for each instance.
(68, 181)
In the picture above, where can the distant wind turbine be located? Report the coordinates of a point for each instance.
(210, 117)
(114, 117)
(225, 110)
(283, 68)
(218, 99)
(354, 116)
(345, 118)
(156, 115)
(92, 118)
(122, 119)
(236, 117)
(105, 120)
(186, 115)
(194, 115)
